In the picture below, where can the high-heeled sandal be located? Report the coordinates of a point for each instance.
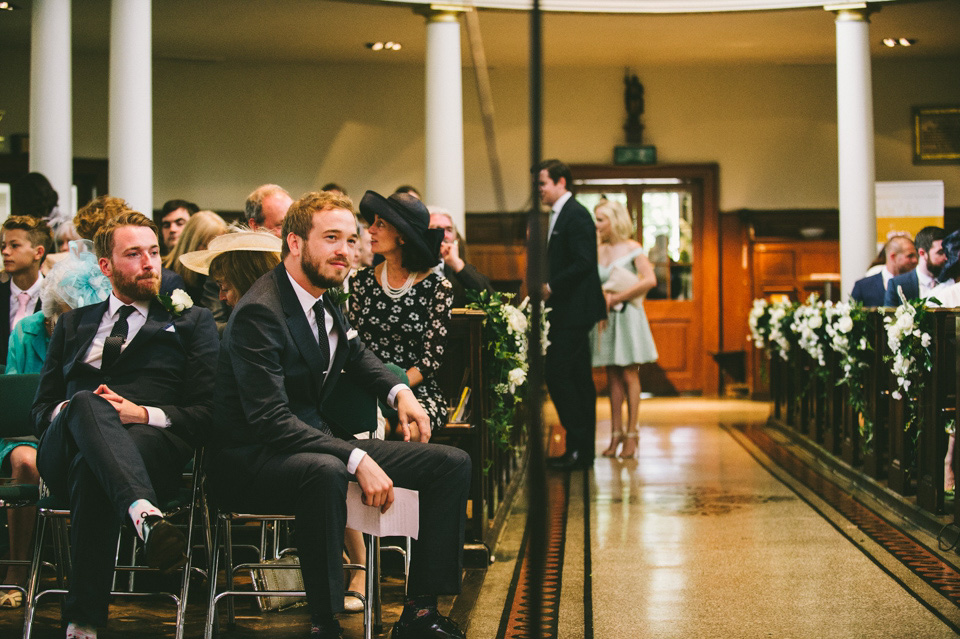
(628, 452)
(616, 438)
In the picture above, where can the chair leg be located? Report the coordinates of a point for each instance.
(33, 578)
(228, 567)
(212, 568)
(370, 603)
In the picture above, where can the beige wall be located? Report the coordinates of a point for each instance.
(223, 128)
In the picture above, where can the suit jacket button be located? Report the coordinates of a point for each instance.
(106, 378)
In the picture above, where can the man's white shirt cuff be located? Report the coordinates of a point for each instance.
(392, 395)
(354, 460)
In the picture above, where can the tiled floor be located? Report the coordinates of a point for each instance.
(701, 536)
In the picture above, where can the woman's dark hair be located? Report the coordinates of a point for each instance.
(414, 260)
(33, 195)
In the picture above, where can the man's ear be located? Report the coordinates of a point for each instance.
(106, 266)
(294, 243)
(38, 253)
(562, 181)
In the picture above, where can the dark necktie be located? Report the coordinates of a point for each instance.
(111, 346)
(324, 340)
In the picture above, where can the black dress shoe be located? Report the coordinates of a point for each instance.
(164, 545)
(570, 460)
(429, 626)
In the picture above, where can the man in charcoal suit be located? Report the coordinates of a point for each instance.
(125, 387)
(576, 302)
(274, 449)
(930, 260)
(901, 256)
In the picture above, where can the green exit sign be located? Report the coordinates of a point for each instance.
(645, 154)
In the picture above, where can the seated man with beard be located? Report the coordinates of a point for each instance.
(125, 386)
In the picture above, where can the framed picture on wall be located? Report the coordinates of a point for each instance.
(936, 135)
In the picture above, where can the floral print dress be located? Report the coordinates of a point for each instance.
(409, 331)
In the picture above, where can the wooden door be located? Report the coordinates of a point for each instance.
(684, 310)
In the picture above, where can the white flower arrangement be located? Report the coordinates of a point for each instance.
(809, 326)
(846, 326)
(909, 345)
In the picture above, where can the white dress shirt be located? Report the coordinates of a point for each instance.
(307, 301)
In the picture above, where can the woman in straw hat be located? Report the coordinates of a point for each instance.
(235, 261)
(401, 307)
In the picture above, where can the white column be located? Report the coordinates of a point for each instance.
(858, 224)
(131, 104)
(444, 112)
(51, 115)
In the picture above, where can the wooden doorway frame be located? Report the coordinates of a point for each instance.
(706, 268)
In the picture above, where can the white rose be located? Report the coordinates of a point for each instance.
(517, 377)
(925, 340)
(180, 300)
(845, 325)
(516, 320)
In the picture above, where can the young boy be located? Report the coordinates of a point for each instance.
(24, 243)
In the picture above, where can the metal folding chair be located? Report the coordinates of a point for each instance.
(53, 514)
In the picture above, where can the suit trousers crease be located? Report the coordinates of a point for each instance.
(313, 486)
(569, 378)
(102, 466)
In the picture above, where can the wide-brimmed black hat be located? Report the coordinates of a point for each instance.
(409, 216)
(951, 248)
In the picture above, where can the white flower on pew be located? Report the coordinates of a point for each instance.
(516, 378)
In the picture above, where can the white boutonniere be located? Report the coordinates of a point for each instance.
(176, 303)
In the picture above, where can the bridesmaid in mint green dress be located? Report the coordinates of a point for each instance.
(623, 341)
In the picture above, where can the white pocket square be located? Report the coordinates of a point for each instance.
(351, 333)
(169, 328)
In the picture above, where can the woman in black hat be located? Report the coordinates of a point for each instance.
(400, 307)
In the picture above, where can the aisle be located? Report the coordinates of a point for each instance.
(697, 539)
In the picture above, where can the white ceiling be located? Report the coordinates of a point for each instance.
(336, 30)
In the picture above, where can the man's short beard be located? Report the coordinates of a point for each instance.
(933, 269)
(132, 290)
(313, 272)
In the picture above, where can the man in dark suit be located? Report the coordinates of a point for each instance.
(125, 387)
(930, 260)
(573, 295)
(274, 449)
(901, 256)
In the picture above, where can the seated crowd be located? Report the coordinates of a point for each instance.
(234, 340)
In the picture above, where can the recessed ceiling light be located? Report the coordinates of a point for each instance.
(6, 6)
(384, 46)
(899, 42)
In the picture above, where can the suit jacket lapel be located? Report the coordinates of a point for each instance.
(87, 324)
(298, 325)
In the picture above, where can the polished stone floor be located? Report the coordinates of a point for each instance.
(700, 536)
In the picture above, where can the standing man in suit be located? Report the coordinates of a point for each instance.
(274, 450)
(25, 242)
(901, 257)
(930, 260)
(576, 302)
(126, 385)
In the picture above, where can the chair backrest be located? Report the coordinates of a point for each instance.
(16, 399)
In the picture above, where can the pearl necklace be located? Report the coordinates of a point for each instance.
(396, 293)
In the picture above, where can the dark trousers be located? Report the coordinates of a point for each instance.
(570, 381)
(89, 457)
(313, 487)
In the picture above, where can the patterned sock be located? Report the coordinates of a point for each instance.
(80, 631)
(140, 510)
